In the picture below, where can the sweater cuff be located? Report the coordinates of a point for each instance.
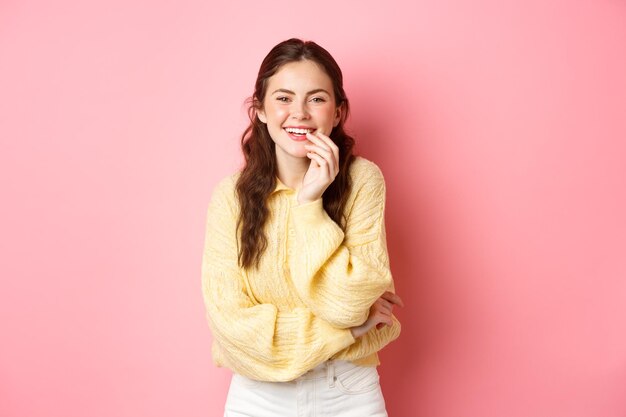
(312, 213)
(338, 344)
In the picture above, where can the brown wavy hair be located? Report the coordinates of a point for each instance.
(258, 177)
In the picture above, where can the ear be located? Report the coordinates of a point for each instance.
(258, 109)
(261, 115)
(338, 113)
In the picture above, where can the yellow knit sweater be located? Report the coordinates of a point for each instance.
(314, 282)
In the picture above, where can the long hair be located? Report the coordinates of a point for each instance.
(258, 177)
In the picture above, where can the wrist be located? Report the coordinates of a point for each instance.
(302, 201)
(357, 331)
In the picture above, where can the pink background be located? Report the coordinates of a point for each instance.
(500, 127)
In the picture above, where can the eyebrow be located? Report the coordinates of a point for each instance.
(317, 90)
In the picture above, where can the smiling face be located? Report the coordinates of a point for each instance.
(299, 98)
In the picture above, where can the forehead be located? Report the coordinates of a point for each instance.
(300, 76)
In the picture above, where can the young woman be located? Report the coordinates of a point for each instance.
(295, 271)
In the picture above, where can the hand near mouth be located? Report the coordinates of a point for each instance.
(324, 167)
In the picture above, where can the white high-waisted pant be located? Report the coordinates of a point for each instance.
(332, 389)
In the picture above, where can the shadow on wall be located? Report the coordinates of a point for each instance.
(390, 124)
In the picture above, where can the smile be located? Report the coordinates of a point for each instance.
(298, 131)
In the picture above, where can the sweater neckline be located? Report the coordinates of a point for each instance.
(281, 186)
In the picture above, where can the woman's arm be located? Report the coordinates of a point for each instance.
(339, 276)
(256, 340)
(373, 341)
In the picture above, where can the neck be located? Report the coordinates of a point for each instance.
(291, 170)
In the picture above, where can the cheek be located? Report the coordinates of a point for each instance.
(326, 116)
(278, 113)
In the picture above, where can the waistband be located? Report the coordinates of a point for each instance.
(329, 370)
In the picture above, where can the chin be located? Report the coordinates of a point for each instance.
(298, 152)
(301, 155)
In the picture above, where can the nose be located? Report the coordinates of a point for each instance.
(299, 111)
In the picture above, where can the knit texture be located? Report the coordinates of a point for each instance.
(314, 282)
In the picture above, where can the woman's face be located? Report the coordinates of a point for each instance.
(299, 98)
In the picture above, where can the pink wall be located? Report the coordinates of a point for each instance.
(500, 129)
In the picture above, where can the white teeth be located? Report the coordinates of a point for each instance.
(298, 131)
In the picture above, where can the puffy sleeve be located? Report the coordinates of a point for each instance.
(372, 341)
(255, 340)
(339, 276)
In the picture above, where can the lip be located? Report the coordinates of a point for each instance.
(298, 138)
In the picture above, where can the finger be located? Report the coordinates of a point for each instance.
(327, 143)
(384, 318)
(333, 146)
(331, 166)
(322, 151)
(323, 164)
(323, 144)
(383, 310)
(318, 133)
(316, 138)
(393, 298)
(327, 155)
(386, 306)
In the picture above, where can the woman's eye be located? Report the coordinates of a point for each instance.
(283, 99)
(318, 100)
